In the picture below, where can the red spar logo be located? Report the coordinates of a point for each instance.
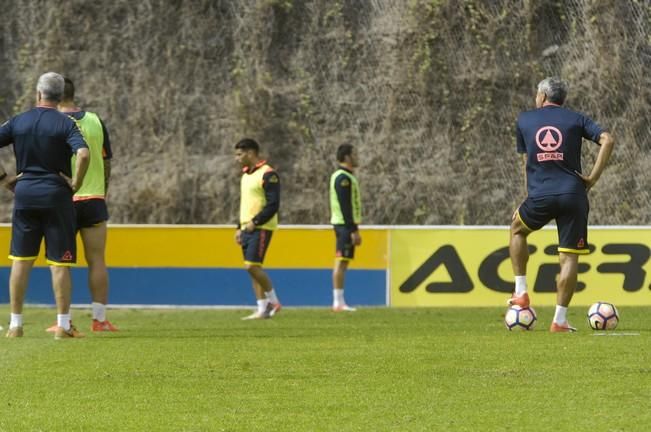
(551, 140)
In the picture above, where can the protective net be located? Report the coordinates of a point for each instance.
(428, 91)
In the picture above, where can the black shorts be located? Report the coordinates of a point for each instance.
(571, 214)
(57, 225)
(345, 249)
(254, 245)
(90, 212)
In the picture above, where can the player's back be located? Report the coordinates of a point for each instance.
(43, 141)
(40, 142)
(551, 137)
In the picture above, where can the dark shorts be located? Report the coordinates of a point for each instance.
(345, 249)
(90, 213)
(254, 245)
(571, 214)
(57, 225)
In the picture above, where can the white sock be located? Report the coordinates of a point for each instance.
(262, 305)
(520, 285)
(99, 311)
(16, 320)
(272, 297)
(63, 320)
(560, 317)
(338, 297)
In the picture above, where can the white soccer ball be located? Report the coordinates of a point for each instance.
(519, 318)
(603, 316)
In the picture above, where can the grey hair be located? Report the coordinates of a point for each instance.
(51, 86)
(554, 88)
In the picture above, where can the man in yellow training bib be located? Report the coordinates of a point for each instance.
(90, 204)
(346, 215)
(259, 203)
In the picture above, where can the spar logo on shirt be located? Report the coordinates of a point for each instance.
(549, 139)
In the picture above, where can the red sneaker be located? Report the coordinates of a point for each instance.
(273, 308)
(521, 300)
(562, 328)
(103, 326)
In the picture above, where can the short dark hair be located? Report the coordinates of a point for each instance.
(248, 144)
(68, 89)
(344, 150)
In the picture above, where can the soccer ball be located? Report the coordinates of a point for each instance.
(603, 316)
(519, 318)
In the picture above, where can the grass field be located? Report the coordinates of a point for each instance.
(313, 370)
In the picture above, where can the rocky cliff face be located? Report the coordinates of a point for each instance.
(427, 90)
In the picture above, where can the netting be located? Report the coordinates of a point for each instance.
(427, 90)
(431, 91)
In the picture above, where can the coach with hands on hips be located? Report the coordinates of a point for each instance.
(44, 140)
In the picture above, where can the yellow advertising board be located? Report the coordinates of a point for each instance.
(206, 246)
(470, 267)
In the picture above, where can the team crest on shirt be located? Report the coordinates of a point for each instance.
(273, 179)
(345, 182)
(549, 139)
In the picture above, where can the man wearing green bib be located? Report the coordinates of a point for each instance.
(90, 204)
(346, 215)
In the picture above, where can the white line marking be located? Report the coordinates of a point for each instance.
(615, 334)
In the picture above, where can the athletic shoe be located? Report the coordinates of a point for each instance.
(521, 300)
(562, 328)
(61, 333)
(257, 315)
(15, 332)
(343, 308)
(273, 309)
(53, 328)
(103, 326)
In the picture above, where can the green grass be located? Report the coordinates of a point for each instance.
(312, 370)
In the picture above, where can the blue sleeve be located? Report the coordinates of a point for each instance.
(520, 145)
(591, 130)
(271, 186)
(343, 189)
(6, 134)
(106, 151)
(74, 138)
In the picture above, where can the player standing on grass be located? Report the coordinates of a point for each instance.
(550, 138)
(90, 203)
(346, 215)
(259, 203)
(44, 141)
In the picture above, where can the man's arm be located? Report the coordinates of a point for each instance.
(6, 134)
(107, 175)
(524, 172)
(607, 142)
(107, 154)
(78, 145)
(81, 166)
(6, 138)
(271, 186)
(343, 188)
